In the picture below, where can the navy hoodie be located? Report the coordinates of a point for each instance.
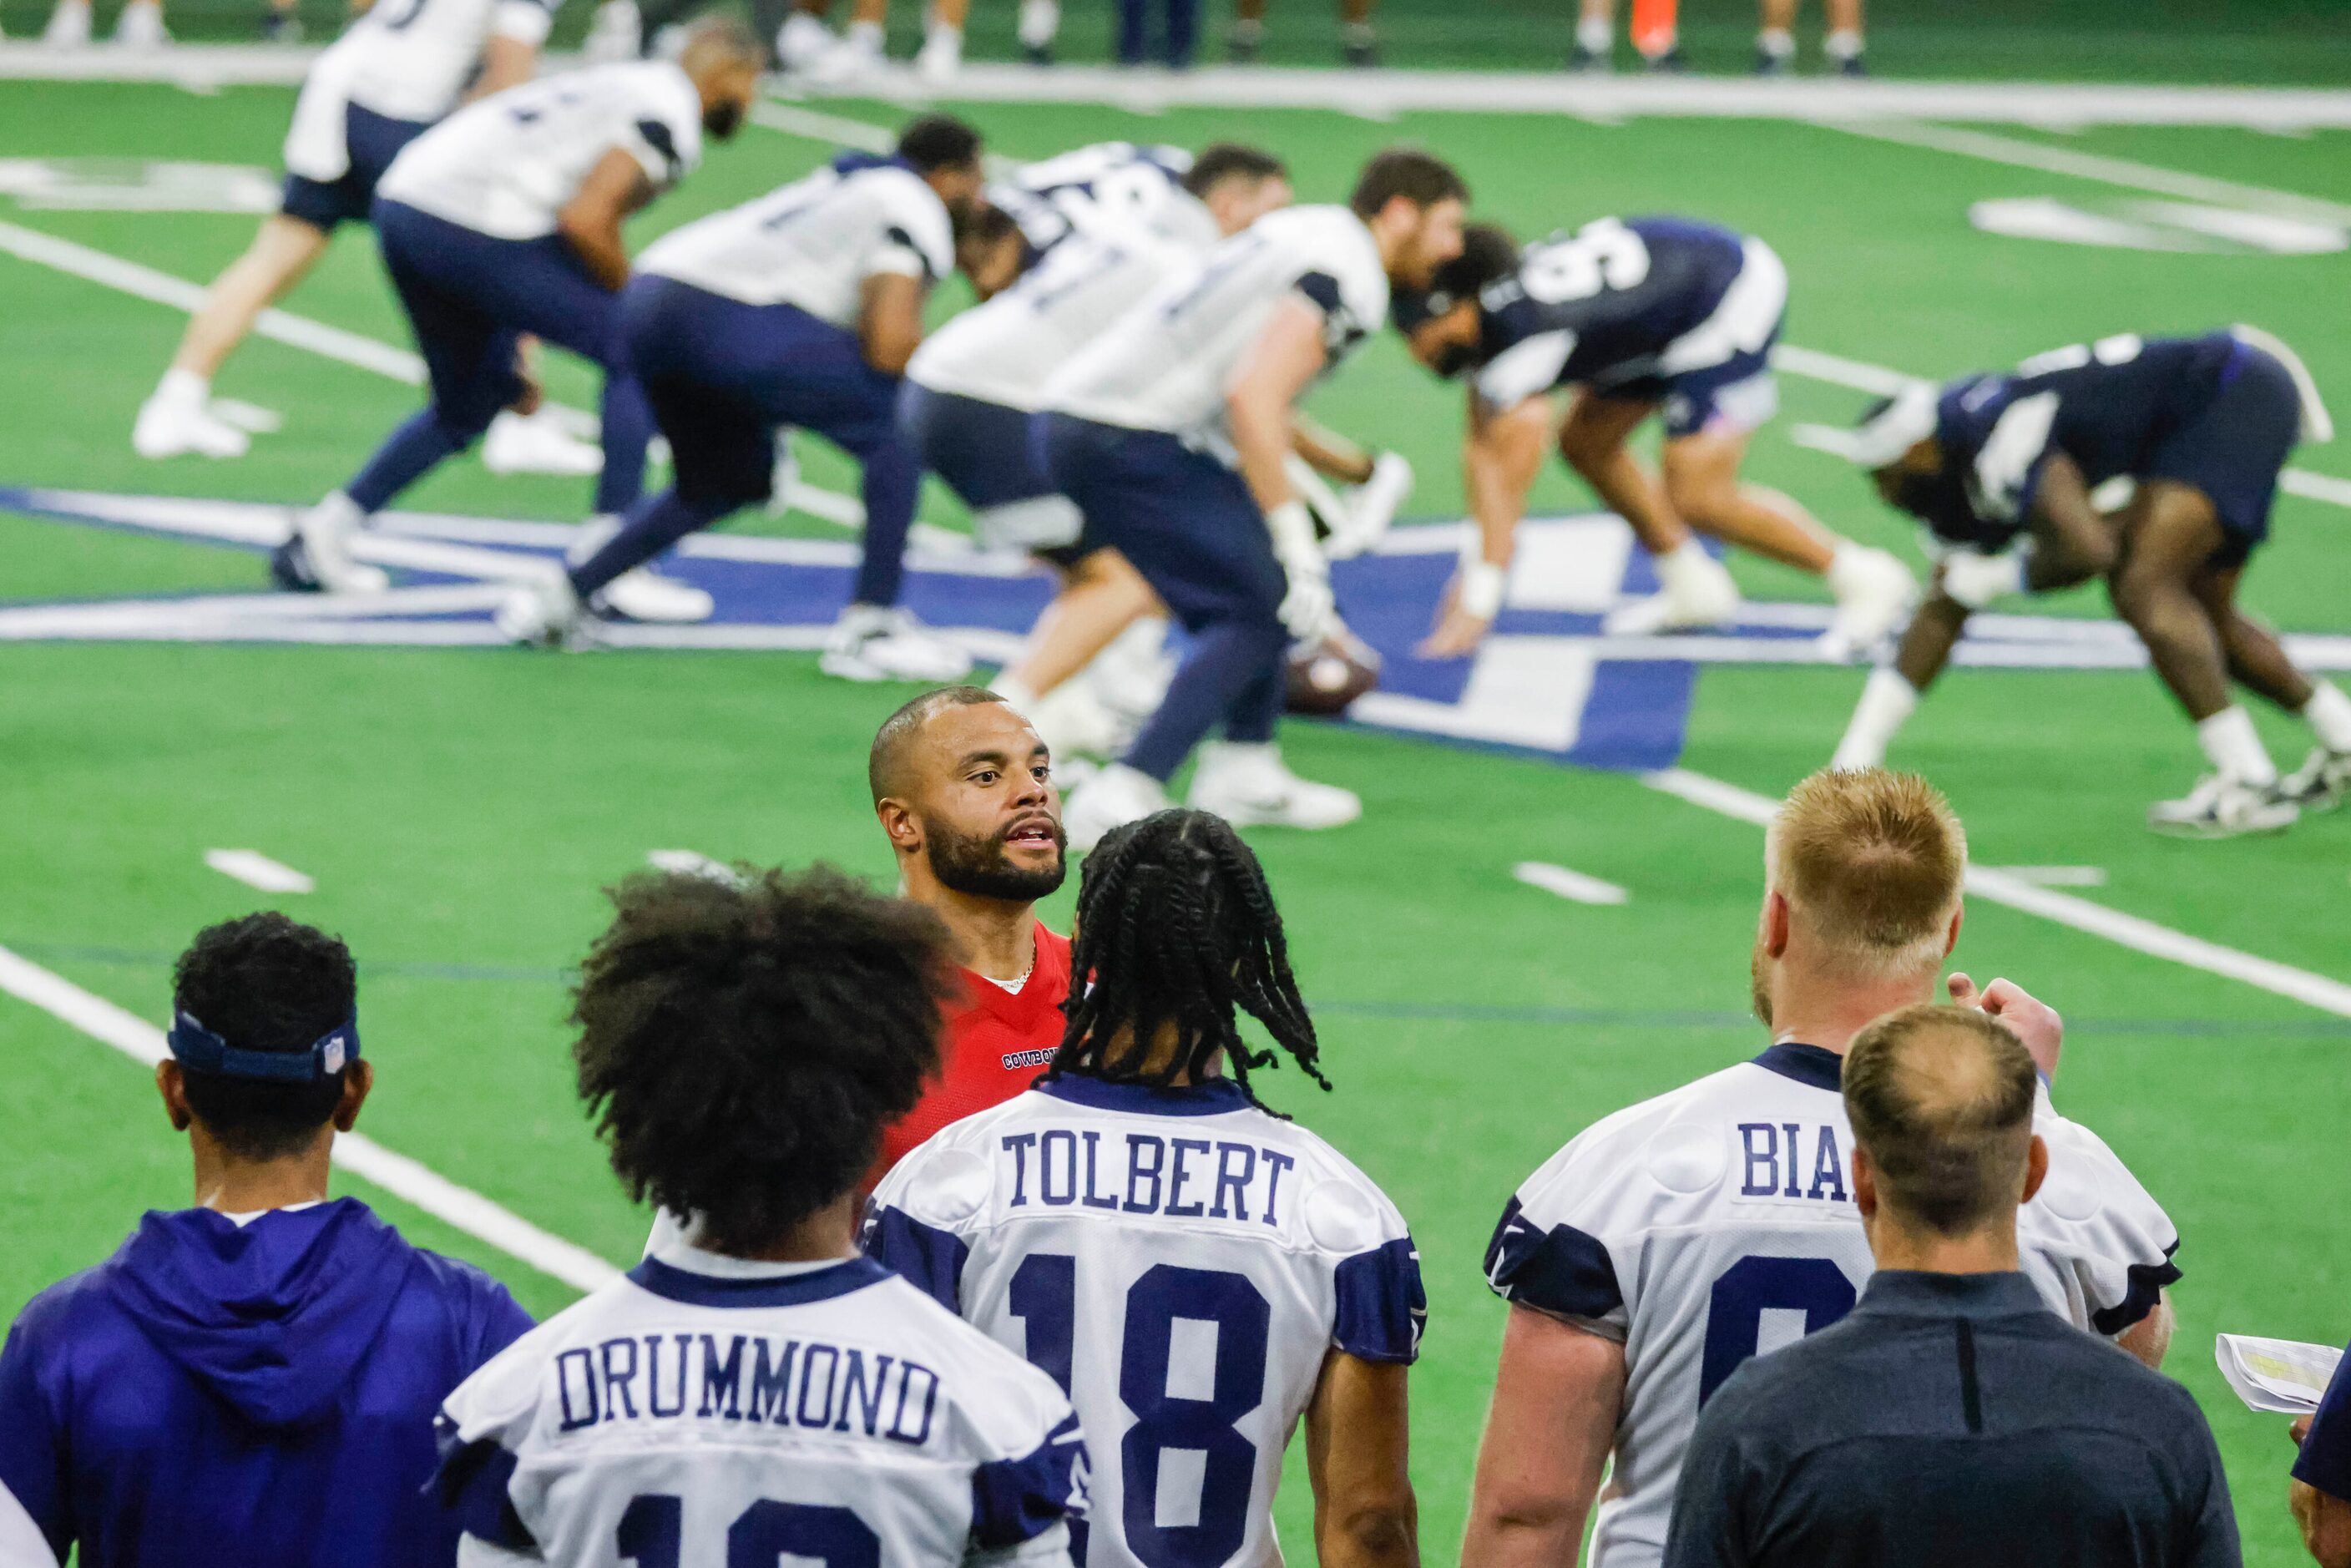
(261, 1396)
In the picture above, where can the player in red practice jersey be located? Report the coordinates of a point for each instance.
(965, 790)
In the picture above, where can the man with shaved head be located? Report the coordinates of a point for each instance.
(1670, 1243)
(963, 788)
(1951, 1418)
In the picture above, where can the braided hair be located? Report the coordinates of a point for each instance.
(1175, 924)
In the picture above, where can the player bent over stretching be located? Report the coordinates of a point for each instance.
(1999, 468)
(1640, 317)
(1197, 1272)
(1172, 432)
(1668, 1243)
(755, 1390)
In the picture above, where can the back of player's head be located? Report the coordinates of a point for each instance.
(1941, 1101)
(268, 986)
(720, 43)
(1488, 254)
(888, 762)
(939, 142)
(743, 1043)
(1421, 178)
(1177, 931)
(1222, 160)
(1871, 864)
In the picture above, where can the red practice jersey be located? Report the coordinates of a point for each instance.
(996, 1043)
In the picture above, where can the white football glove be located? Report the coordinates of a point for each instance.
(1308, 608)
(1974, 580)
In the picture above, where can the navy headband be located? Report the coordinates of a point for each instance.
(199, 1050)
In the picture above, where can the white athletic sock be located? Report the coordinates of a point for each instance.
(1844, 43)
(1685, 566)
(1040, 21)
(1886, 701)
(1777, 42)
(2328, 714)
(183, 389)
(865, 38)
(1595, 36)
(2234, 750)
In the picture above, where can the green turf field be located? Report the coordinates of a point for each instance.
(460, 809)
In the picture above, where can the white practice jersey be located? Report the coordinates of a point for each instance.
(1182, 1263)
(1113, 184)
(1005, 351)
(404, 59)
(505, 165)
(814, 243)
(1717, 1222)
(1164, 364)
(706, 1409)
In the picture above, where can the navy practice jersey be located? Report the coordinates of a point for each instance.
(2109, 405)
(1602, 306)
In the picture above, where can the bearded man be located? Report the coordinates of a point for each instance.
(963, 787)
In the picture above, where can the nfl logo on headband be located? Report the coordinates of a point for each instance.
(199, 1050)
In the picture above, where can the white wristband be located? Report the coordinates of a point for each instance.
(1482, 588)
(1293, 528)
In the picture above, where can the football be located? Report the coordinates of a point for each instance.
(1327, 675)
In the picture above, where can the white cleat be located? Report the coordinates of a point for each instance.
(538, 443)
(1702, 596)
(847, 62)
(878, 643)
(1874, 593)
(613, 34)
(69, 26)
(322, 537)
(941, 56)
(140, 27)
(1073, 721)
(2221, 807)
(802, 41)
(542, 614)
(2319, 784)
(648, 596)
(1248, 786)
(167, 427)
(1111, 800)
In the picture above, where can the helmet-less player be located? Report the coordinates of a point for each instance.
(2001, 468)
(799, 308)
(754, 1390)
(1668, 1243)
(505, 219)
(1099, 228)
(1640, 317)
(401, 65)
(1173, 434)
(1197, 1271)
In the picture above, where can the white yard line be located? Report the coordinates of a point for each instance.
(1569, 884)
(403, 1178)
(2057, 875)
(2121, 172)
(255, 869)
(2016, 890)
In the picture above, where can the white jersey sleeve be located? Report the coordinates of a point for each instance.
(1185, 1264)
(1165, 364)
(2093, 1241)
(505, 165)
(814, 243)
(1005, 351)
(708, 1409)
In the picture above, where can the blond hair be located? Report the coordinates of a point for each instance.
(1871, 864)
(1942, 1100)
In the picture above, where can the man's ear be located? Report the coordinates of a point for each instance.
(357, 1085)
(1865, 1184)
(1777, 923)
(2036, 1166)
(1951, 936)
(899, 821)
(174, 1088)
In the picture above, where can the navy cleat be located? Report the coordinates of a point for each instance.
(1672, 63)
(1854, 66)
(1768, 64)
(1037, 54)
(1589, 62)
(289, 568)
(2224, 808)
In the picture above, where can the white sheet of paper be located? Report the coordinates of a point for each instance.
(2280, 1375)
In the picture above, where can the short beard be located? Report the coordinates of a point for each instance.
(1759, 991)
(976, 866)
